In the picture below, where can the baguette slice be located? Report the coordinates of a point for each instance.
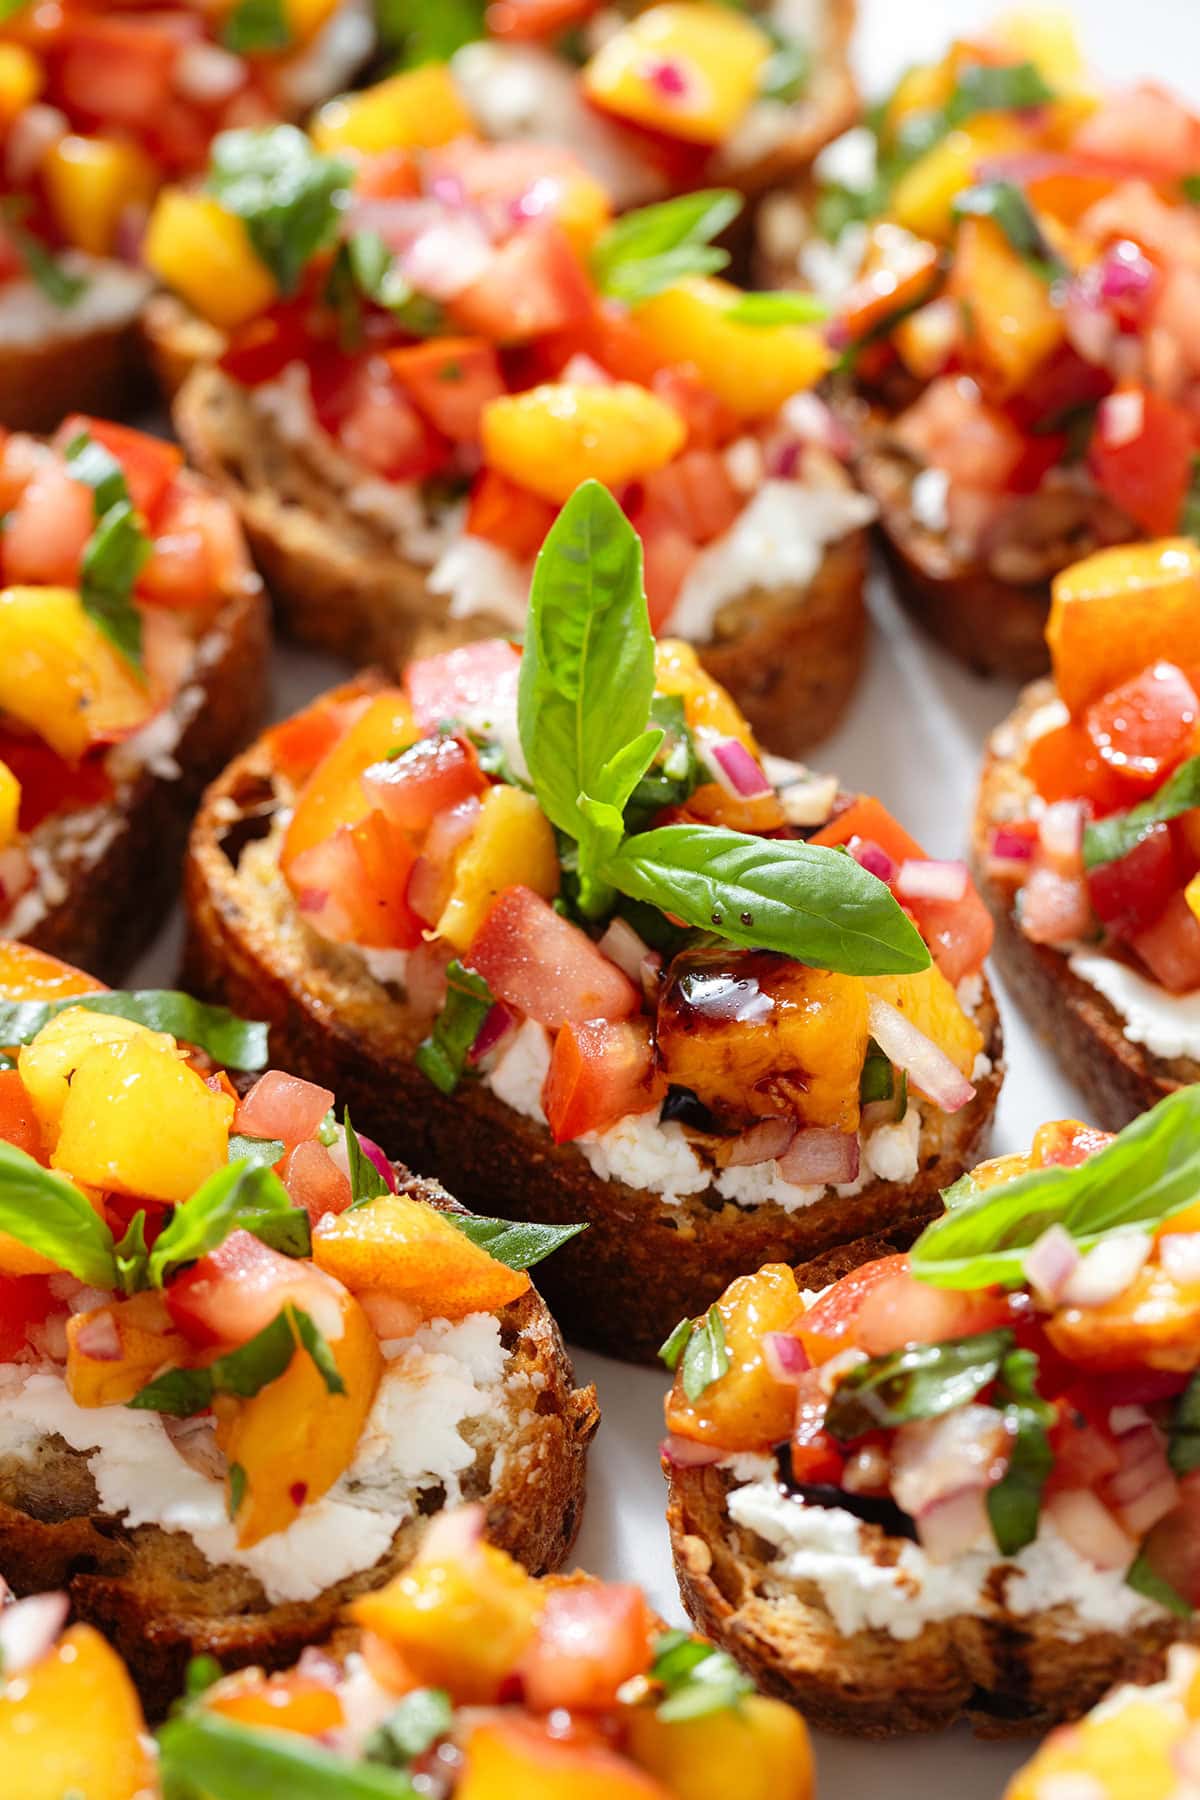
(644, 1262)
(1008, 1675)
(81, 358)
(1086, 1032)
(159, 1600)
(790, 656)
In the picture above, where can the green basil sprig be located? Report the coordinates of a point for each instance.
(922, 1381)
(516, 1243)
(1109, 839)
(1147, 1173)
(288, 196)
(653, 247)
(45, 270)
(696, 1679)
(1183, 1443)
(782, 308)
(234, 1043)
(700, 1345)
(442, 1056)
(417, 32)
(411, 1728)
(257, 25)
(366, 1183)
(47, 1213)
(238, 1197)
(1014, 1503)
(243, 1372)
(203, 1753)
(117, 551)
(1005, 204)
(365, 268)
(1144, 1578)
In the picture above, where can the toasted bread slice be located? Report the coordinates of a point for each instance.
(645, 1261)
(86, 357)
(1086, 1032)
(160, 1601)
(790, 656)
(827, 105)
(1008, 1675)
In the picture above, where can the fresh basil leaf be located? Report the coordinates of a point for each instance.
(515, 1243)
(60, 286)
(1189, 187)
(765, 310)
(234, 1043)
(1145, 1580)
(419, 33)
(673, 1348)
(236, 1194)
(996, 87)
(442, 1056)
(1147, 1173)
(259, 1153)
(1005, 204)
(1014, 1503)
(237, 1488)
(696, 1678)
(922, 1381)
(412, 1728)
(366, 1183)
(1109, 839)
(653, 247)
(314, 1341)
(1183, 1444)
(787, 72)
(47, 1213)
(257, 25)
(375, 272)
(117, 551)
(202, 1752)
(287, 195)
(802, 900)
(96, 467)
(132, 1256)
(200, 1674)
(243, 1372)
(878, 1078)
(288, 1232)
(675, 771)
(705, 1357)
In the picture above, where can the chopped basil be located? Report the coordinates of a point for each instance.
(260, 1153)
(1014, 1503)
(922, 1381)
(878, 1078)
(234, 1043)
(1189, 187)
(418, 32)
(1005, 204)
(288, 1232)
(1109, 839)
(131, 1256)
(47, 1213)
(1145, 1580)
(243, 1372)
(366, 1183)
(765, 310)
(204, 1753)
(1183, 1444)
(257, 25)
(675, 770)
(237, 1488)
(787, 72)
(318, 1349)
(515, 1243)
(653, 247)
(696, 1678)
(365, 268)
(237, 1197)
(287, 195)
(442, 1056)
(117, 551)
(411, 1728)
(60, 287)
(699, 1344)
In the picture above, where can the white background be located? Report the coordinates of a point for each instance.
(915, 737)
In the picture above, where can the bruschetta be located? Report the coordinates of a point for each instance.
(98, 104)
(1017, 330)
(1084, 834)
(961, 1482)
(133, 661)
(694, 1030)
(245, 1357)
(440, 345)
(464, 1676)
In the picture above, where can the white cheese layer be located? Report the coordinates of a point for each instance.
(824, 1546)
(113, 297)
(1167, 1024)
(434, 1383)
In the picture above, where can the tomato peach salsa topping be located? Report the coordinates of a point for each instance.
(167, 1246)
(611, 886)
(470, 1680)
(1103, 843)
(114, 560)
(465, 322)
(1025, 302)
(1033, 1359)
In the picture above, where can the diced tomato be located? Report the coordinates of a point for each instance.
(25, 1300)
(298, 744)
(599, 1073)
(334, 794)
(590, 1640)
(1144, 126)
(1130, 894)
(1064, 764)
(461, 681)
(1170, 947)
(817, 1458)
(239, 1288)
(1084, 1452)
(533, 284)
(710, 423)
(148, 464)
(668, 553)
(432, 879)
(1061, 385)
(1065, 1143)
(550, 970)
(951, 427)
(451, 380)
(116, 71)
(697, 493)
(1145, 726)
(508, 515)
(367, 410)
(45, 533)
(353, 887)
(49, 783)
(194, 552)
(262, 348)
(1172, 1548)
(427, 779)
(826, 1328)
(282, 1106)
(1148, 475)
(907, 1311)
(390, 175)
(525, 19)
(868, 819)
(959, 932)
(18, 1121)
(314, 1181)
(1054, 908)
(609, 335)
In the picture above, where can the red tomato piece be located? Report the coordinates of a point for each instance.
(18, 1121)
(710, 423)
(826, 1328)
(1170, 948)
(1130, 894)
(373, 419)
(1172, 1548)
(451, 380)
(391, 175)
(352, 887)
(609, 335)
(668, 555)
(590, 1640)
(45, 533)
(508, 515)
(599, 1073)
(460, 681)
(695, 490)
(314, 1181)
(1084, 1452)
(868, 819)
(533, 284)
(427, 779)
(817, 1458)
(25, 1300)
(1064, 764)
(148, 464)
(240, 1287)
(1147, 725)
(550, 970)
(1148, 476)
(282, 1106)
(116, 71)
(50, 784)
(525, 19)
(907, 1311)
(959, 932)
(262, 348)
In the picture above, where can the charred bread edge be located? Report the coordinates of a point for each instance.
(534, 1508)
(790, 656)
(1084, 1030)
(1010, 1677)
(100, 371)
(643, 1263)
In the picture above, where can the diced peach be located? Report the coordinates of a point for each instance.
(706, 704)
(1153, 1324)
(752, 368)
(1120, 610)
(746, 1409)
(758, 1750)
(205, 255)
(91, 182)
(691, 71)
(416, 109)
(1124, 1753)
(334, 795)
(10, 805)
(294, 1438)
(29, 974)
(47, 1064)
(592, 1637)
(1014, 321)
(72, 1724)
(60, 676)
(512, 843)
(146, 1344)
(289, 1701)
(511, 1757)
(21, 78)
(550, 438)
(400, 1246)
(929, 1002)
(923, 198)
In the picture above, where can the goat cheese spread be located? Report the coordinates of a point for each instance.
(1167, 1024)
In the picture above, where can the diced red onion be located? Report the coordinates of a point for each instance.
(50, 1337)
(376, 1156)
(425, 977)
(390, 1316)
(874, 859)
(1011, 846)
(954, 1525)
(764, 1142)
(498, 1021)
(784, 1355)
(1083, 1520)
(29, 1630)
(1090, 328)
(1051, 1262)
(649, 975)
(868, 1470)
(1060, 833)
(1125, 273)
(923, 1061)
(669, 77)
(1107, 1270)
(195, 1441)
(815, 422)
(87, 1299)
(934, 1459)
(622, 945)
(447, 189)
(1179, 1254)
(1143, 1490)
(783, 464)
(1121, 418)
(737, 771)
(448, 257)
(817, 1156)
(207, 73)
(316, 1664)
(926, 879)
(98, 1339)
(682, 1453)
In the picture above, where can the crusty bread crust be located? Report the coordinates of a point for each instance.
(99, 371)
(176, 340)
(115, 868)
(160, 1601)
(827, 106)
(643, 1263)
(1085, 1031)
(1010, 1676)
(790, 657)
